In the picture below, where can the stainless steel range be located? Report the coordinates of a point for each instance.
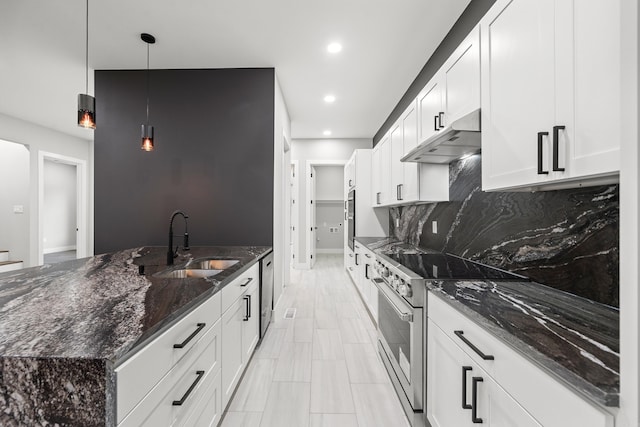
(402, 317)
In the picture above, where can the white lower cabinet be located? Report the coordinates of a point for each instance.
(186, 375)
(361, 275)
(504, 390)
(460, 393)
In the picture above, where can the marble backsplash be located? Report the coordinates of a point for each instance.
(566, 239)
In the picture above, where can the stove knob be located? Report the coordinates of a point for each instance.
(405, 289)
(386, 272)
(396, 282)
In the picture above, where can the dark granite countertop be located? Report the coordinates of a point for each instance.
(101, 307)
(574, 339)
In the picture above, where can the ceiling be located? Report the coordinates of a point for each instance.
(385, 45)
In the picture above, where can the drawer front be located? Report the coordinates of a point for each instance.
(550, 402)
(233, 290)
(138, 375)
(208, 411)
(195, 372)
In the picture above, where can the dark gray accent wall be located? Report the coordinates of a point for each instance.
(213, 157)
(469, 19)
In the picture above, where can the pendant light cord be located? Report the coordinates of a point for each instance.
(147, 84)
(87, 53)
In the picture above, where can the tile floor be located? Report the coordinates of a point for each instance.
(322, 368)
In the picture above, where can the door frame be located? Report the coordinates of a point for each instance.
(82, 196)
(307, 181)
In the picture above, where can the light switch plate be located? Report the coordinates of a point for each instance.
(397, 222)
(434, 227)
(18, 209)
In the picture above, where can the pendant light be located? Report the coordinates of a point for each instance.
(147, 130)
(86, 102)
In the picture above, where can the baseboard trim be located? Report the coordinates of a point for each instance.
(59, 249)
(330, 251)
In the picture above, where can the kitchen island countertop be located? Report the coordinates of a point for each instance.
(64, 327)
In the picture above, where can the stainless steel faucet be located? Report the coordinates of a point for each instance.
(171, 254)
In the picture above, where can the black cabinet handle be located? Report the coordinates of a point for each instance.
(440, 116)
(357, 263)
(246, 282)
(540, 136)
(435, 123)
(556, 129)
(350, 182)
(366, 271)
(474, 400)
(398, 192)
(190, 337)
(378, 197)
(367, 255)
(200, 374)
(460, 335)
(465, 369)
(401, 188)
(247, 307)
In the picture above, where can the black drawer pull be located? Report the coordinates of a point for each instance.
(247, 307)
(378, 198)
(540, 170)
(246, 282)
(366, 271)
(474, 400)
(465, 369)
(435, 123)
(190, 337)
(357, 263)
(440, 115)
(556, 129)
(200, 374)
(460, 335)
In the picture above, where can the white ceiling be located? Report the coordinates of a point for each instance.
(385, 45)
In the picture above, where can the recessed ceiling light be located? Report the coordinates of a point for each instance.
(334, 47)
(329, 98)
(326, 133)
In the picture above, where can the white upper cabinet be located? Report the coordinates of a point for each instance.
(430, 108)
(397, 167)
(550, 93)
(385, 170)
(461, 76)
(410, 188)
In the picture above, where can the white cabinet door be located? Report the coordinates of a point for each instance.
(430, 109)
(231, 348)
(410, 190)
(588, 89)
(376, 179)
(397, 167)
(462, 79)
(498, 408)
(517, 92)
(445, 380)
(250, 322)
(385, 170)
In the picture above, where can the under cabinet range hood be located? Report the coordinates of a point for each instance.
(461, 138)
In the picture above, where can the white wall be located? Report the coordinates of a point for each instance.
(282, 195)
(37, 139)
(59, 222)
(14, 190)
(329, 182)
(304, 150)
(328, 216)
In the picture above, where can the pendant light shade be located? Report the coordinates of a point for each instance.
(147, 137)
(147, 130)
(86, 102)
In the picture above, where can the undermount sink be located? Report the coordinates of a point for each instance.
(184, 273)
(210, 264)
(197, 268)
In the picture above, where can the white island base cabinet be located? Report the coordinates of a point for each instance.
(503, 389)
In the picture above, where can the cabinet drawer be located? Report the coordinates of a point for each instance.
(233, 290)
(138, 375)
(550, 402)
(208, 410)
(196, 372)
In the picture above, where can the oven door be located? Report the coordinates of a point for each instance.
(400, 328)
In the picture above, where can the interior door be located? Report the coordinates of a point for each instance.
(312, 225)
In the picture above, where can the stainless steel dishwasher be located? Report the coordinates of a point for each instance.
(266, 292)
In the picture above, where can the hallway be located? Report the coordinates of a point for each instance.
(320, 369)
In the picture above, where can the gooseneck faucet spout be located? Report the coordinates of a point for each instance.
(171, 254)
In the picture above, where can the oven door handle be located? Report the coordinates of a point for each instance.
(403, 315)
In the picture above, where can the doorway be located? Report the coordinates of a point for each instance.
(62, 207)
(324, 209)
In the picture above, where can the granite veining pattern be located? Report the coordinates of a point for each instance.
(566, 239)
(574, 339)
(63, 327)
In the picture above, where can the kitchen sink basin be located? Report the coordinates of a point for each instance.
(183, 273)
(210, 264)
